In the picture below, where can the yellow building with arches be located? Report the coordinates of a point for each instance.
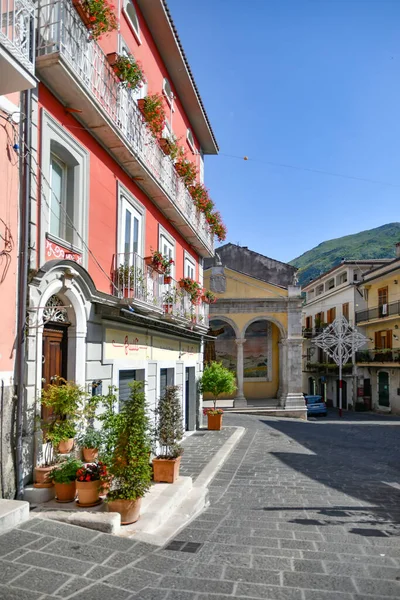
(256, 325)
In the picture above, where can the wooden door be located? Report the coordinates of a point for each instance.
(54, 359)
(383, 389)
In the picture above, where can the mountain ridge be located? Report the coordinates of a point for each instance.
(378, 242)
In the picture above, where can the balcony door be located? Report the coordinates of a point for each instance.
(132, 233)
(383, 297)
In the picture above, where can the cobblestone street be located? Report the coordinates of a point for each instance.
(300, 511)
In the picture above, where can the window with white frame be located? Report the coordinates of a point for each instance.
(58, 197)
(131, 15)
(189, 267)
(201, 166)
(190, 140)
(167, 91)
(65, 166)
(131, 223)
(167, 248)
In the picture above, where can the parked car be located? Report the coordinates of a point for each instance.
(315, 405)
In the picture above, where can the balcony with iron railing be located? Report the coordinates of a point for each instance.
(384, 311)
(379, 356)
(17, 65)
(137, 283)
(76, 69)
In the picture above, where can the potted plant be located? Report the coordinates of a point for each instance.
(186, 170)
(63, 399)
(192, 287)
(216, 380)
(128, 70)
(216, 225)
(168, 434)
(43, 471)
(201, 198)
(169, 299)
(208, 297)
(126, 276)
(98, 16)
(63, 476)
(160, 264)
(170, 146)
(90, 441)
(88, 482)
(153, 110)
(128, 447)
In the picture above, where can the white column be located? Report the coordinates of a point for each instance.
(282, 389)
(293, 398)
(240, 399)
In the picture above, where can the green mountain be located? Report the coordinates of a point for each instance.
(373, 243)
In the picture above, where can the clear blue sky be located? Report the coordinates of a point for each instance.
(309, 83)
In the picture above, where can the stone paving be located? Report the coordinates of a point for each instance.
(300, 511)
(200, 448)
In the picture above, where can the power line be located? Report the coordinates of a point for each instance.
(311, 170)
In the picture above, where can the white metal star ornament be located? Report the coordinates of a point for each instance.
(340, 340)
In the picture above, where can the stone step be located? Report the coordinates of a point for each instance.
(13, 513)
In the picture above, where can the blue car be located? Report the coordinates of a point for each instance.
(315, 405)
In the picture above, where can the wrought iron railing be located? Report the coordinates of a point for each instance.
(16, 30)
(379, 356)
(134, 279)
(378, 312)
(60, 30)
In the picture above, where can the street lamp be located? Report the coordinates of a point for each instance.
(340, 341)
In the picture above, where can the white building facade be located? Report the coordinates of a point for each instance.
(331, 295)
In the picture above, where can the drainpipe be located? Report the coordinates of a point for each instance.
(23, 258)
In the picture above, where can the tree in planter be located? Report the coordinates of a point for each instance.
(168, 434)
(63, 476)
(64, 399)
(127, 451)
(216, 380)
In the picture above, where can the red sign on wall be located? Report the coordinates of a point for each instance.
(55, 251)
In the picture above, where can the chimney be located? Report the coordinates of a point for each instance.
(398, 250)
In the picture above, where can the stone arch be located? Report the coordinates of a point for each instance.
(65, 282)
(223, 348)
(227, 320)
(261, 317)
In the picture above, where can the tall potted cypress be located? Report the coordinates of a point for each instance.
(168, 434)
(216, 380)
(128, 447)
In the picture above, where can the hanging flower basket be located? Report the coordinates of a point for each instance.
(209, 298)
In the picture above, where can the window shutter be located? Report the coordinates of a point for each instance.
(389, 338)
(377, 339)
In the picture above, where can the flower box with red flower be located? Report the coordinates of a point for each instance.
(209, 298)
(159, 263)
(153, 110)
(97, 15)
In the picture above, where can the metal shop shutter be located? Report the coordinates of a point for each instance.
(125, 378)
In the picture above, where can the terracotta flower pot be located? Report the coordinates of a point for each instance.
(167, 279)
(214, 422)
(128, 509)
(166, 469)
(129, 293)
(81, 12)
(66, 446)
(165, 146)
(112, 58)
(90, 454)
(141, 104)
(65, 492)
(182, 284)
(168, 309)
(42, 477)
(88, 492)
